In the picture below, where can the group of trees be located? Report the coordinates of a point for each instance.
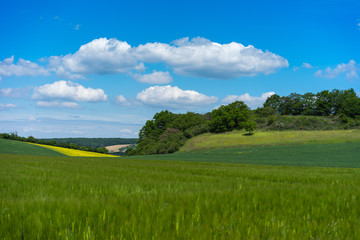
(324, 103)
(31, 139)
(168, 131)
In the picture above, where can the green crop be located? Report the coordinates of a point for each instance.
(44, 197)
(318, 155)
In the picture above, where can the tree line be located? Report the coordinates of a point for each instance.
(94, 142)
(324, 103)
(167, 131)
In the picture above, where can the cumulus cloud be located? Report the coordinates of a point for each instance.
(51, 104)
(67, 90)
(100, 56)
(202, 58)
(174, 97)
(121, 100)
(349, 69)
(156, 77)
(21, 68)
(196, 57)
(13, 92)
(7, 106)
(251, 101)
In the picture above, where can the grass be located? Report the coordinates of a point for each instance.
(16, 147)
(239, 139)
(73, 152)
(44, 197)
(319, 155)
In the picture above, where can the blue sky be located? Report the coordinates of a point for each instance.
(102, 68)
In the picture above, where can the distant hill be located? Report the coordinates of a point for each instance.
(94, 142)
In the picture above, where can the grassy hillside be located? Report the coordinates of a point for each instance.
(45, 197)
(16, 147)
(240, 139)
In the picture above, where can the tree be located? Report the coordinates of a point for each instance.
(229, 117)
(250, 126)
(323, 103)
(273, 101)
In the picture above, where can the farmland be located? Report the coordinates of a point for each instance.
(197, 195)
(269, 138)
(73, 152)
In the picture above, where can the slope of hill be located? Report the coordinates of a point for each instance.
(22, 148)
(236, 139)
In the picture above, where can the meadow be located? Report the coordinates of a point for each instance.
(189, 197)
(237, 138)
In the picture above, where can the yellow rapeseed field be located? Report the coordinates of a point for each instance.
(74, 152)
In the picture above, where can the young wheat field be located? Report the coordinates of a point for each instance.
(60, 197)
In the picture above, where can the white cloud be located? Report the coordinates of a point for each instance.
(250, 101)
(100, 56)
(21, 68)
(202, 58)
(7, 106)
(51, 104)
(196, 57)
(306, 65)
(350, 70)
(121, 100)
(14, 92)
(67, 90)
(156, 77)
(125, 130)
(174, 97)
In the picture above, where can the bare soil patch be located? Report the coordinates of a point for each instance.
(116, 148)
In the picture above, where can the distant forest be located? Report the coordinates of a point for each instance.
(94, 142)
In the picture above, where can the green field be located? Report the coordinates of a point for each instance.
(201, 196)
(23, 148)
(317, 155)
(269, 138)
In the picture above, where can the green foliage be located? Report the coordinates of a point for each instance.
(167, 132)
(250, 126)
(229, 117)
(324, 103)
